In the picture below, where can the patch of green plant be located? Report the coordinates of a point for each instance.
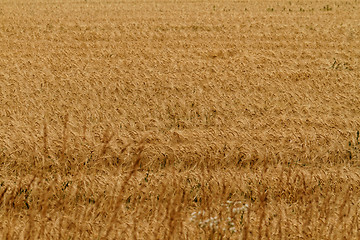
(338, 65)
(354, 148)
(327, 8)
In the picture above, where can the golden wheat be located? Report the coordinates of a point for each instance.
(179, 119)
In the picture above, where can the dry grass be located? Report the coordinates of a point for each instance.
(179, 119)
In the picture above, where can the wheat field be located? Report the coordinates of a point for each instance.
(179, 119)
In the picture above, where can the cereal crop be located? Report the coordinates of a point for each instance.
(179, 119)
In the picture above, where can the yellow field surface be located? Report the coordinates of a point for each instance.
(179, 119)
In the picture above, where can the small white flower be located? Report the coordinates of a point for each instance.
(232, 229)
(201, 213)
(236, 210)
